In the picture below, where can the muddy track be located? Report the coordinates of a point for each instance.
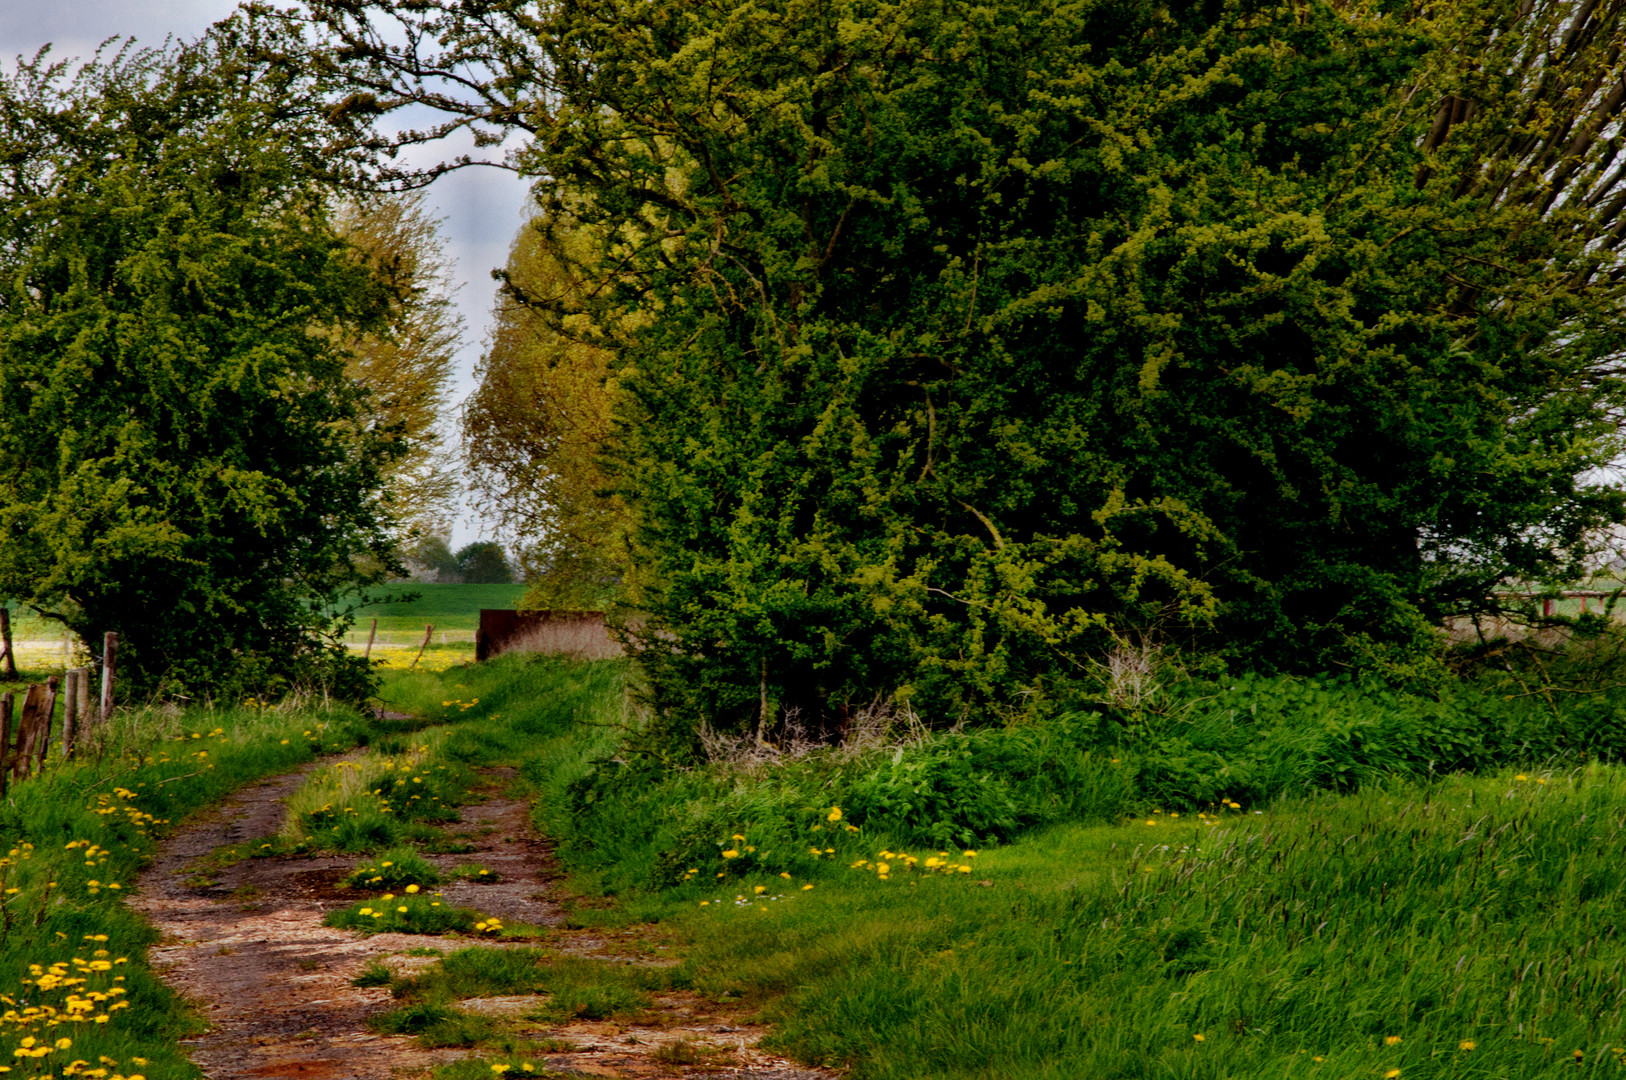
(246, 945)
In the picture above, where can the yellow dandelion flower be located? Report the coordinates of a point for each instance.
(834, 814)
(806, 887)
(731, 854)
(760, 889)
(1199, 1037)
(1466, 1044)
(1391, 1040)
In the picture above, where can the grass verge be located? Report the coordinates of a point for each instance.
(1323, 894)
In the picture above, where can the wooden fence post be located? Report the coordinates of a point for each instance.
(371, 634)
(34, 729)
(10, 670)
(8, 703)
(86, 718)
(110, 651)
(70, 703)
(427, 631)
(48, 712)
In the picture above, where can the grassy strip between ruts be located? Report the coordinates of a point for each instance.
(77, 996)
(1425, 926)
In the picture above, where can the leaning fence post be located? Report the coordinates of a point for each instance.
(371, 634)
(427, 631)
(110, 650)
(45, 723)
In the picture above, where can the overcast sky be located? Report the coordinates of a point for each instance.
(480, 207)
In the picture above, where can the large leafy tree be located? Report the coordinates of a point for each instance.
(182, 456)
(539, 427)
(981, 337)
(406, 364)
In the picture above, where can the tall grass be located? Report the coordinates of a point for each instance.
(1456, 929)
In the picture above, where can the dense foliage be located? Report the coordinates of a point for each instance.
(974, 340)
(182, 456)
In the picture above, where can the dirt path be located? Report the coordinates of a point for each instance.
(247, 946)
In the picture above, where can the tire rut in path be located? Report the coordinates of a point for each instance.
(270, 979)
(247, 947)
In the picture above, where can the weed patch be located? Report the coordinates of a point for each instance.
(374, 974)
(394, 869)
(409, 913)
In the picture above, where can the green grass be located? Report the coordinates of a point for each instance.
(578, 988)
(1479, 911)
(448, 607)
(415, 913)
(373, 801)
(1363, 905)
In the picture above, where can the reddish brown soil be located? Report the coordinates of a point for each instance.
(247, 946)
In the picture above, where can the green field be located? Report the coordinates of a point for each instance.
(448, 607)
(453, 610)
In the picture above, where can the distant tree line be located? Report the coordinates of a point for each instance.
(481, 563)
